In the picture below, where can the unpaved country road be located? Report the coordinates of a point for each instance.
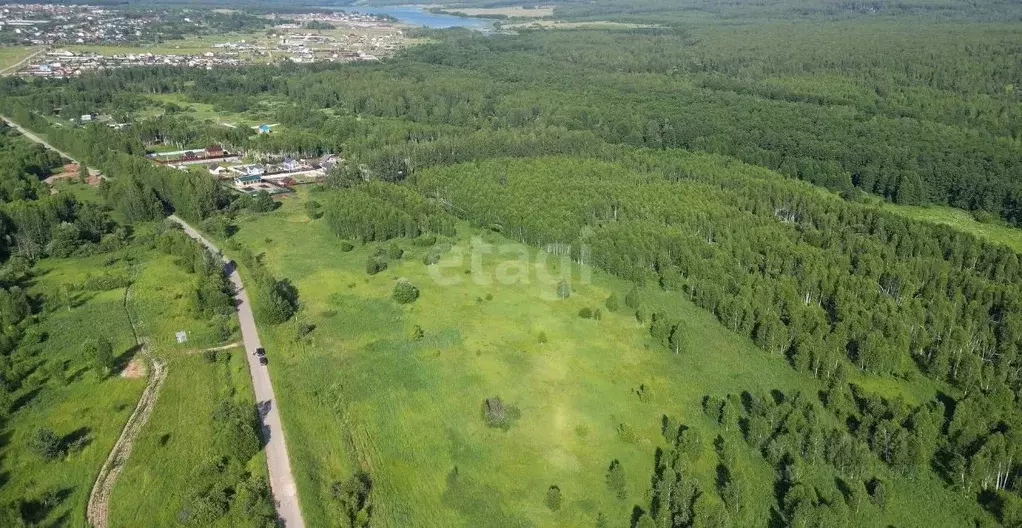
(282, 481)
(30, 135)
(13, 68)
(98, 508)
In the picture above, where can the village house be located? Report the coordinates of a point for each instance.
(218, 170)
(243, 182)
(249, 170)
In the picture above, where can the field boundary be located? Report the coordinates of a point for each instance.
(98, 508)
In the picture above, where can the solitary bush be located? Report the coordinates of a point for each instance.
(102, 354)
(499, 415)
(553, 498)
(405, 292)
(431, 258)
(418, 333)
(597, 314)
(261, 202)
(45, 443)
(563, 290)
(425, 240)
(877, 492)
(305, 329)
(616, 480)
(314, 209)
(542, 338)
(347, 246)
(585, 313)
(395, 252)
(355, 497)
(632, 299)
(612, 302)
(375, 265)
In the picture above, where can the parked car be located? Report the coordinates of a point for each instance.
(260, 352)
(263, 360)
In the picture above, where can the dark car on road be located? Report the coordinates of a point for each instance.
(260, 352)
(263, 360)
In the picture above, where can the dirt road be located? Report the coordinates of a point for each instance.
(98, 508)
(282, 481)
(30, 135)
(13, 68)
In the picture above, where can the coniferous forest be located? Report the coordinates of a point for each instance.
(740, 156)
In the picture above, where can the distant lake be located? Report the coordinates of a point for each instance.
(419, 16)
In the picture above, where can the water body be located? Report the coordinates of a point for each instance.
(420, 16)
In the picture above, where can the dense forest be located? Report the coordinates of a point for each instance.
(910, 115)
(687, 157)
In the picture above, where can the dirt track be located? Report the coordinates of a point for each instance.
(99, 500)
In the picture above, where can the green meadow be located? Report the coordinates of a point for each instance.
(361, 393)
(993, 231)
(179, 437)
(11, 55)
(65, 394)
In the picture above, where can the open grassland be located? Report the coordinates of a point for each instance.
(177, 442)
(189, 45)
(259, 114)
(361, 393)
(503, 12)
(179, 438)
(11, 55)
(66, 394)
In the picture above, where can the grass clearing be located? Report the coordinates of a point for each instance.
(65, 394)
(501, 12)
(155, 483)
(178, 442)
(11, 55)
(962, 221)
(188, 46)
(360, 393)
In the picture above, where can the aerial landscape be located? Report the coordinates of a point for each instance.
(492, 263)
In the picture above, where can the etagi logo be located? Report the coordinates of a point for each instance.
(550, 270)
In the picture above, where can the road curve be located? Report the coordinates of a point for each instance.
(282, 481)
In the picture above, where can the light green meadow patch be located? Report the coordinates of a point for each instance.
(962, 221)
(360, 393)
(66, 394)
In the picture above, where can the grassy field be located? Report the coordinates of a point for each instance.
(962, 221)
(509, 12)
(190, 45)
(562, 24)
(179, 435)
(10, 55)
(207, 112)
(360, 393)
(68, 396)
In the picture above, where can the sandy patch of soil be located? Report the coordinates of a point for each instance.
(135, 369)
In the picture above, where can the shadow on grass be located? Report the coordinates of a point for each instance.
(121, 361)
(76, 440)
(25, 399)
(35, 511)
